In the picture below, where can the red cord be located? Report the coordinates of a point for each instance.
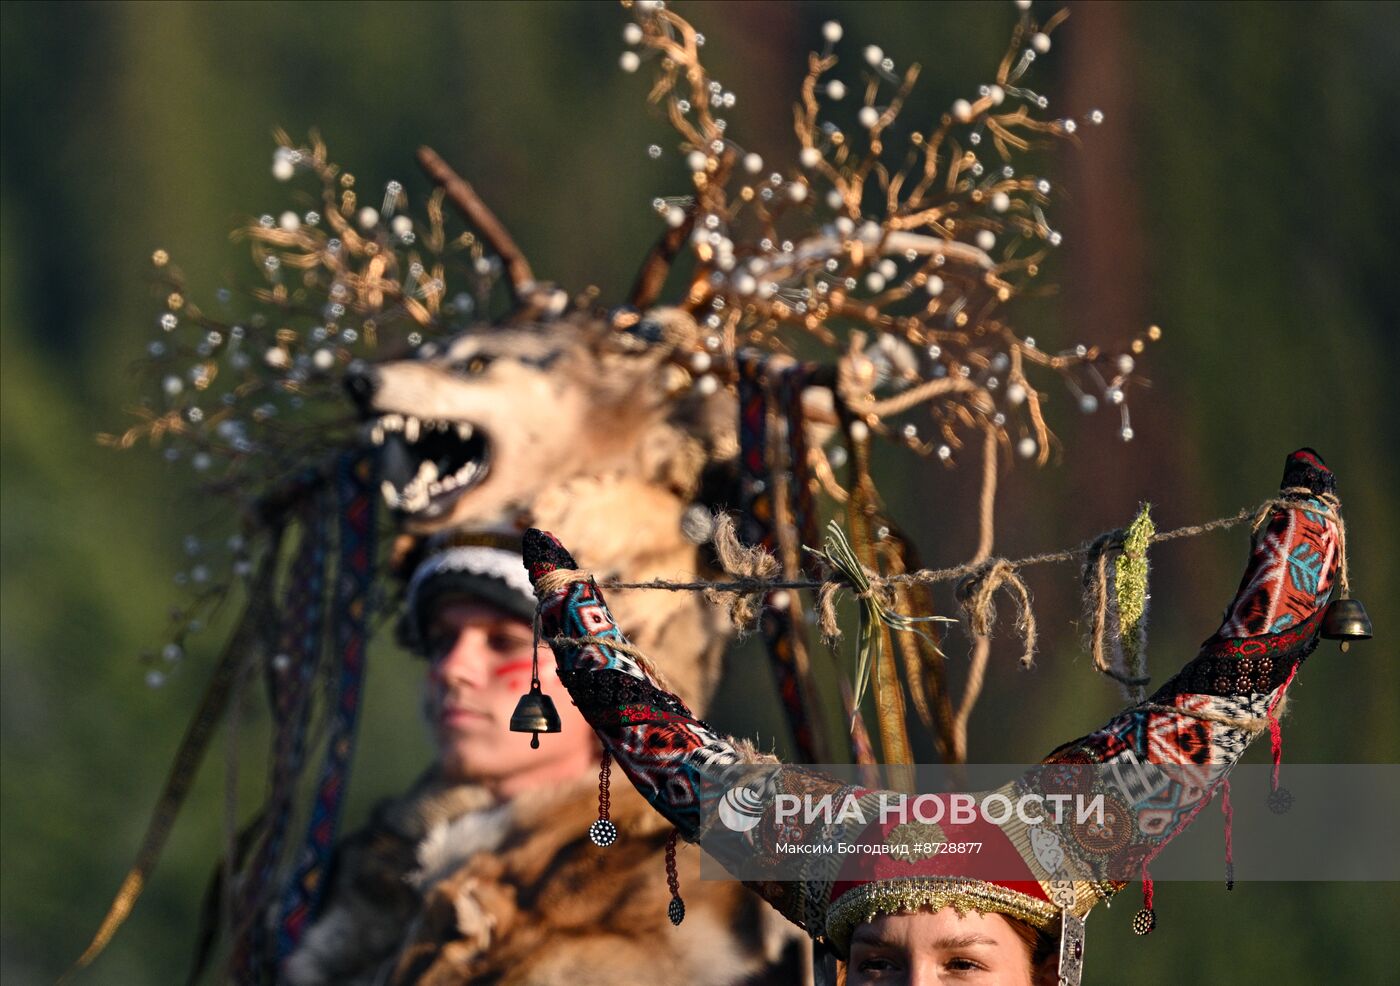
(1275, 730)
(1228, 810)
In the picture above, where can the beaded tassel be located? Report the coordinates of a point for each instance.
(676, 910)
(1145, 920)
(603, 832)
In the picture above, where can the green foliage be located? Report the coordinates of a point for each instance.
(1130, 584)
(837, 552)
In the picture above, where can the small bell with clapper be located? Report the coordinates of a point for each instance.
(1346, 620)
(535, 713)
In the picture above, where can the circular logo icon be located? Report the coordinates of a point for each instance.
(741, 809)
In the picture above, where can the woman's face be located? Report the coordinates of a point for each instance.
(942, 947)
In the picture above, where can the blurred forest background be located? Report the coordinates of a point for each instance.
(1237, 195)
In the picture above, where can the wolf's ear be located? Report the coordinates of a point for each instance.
(652, 358)
(542, 301)
(657, 333)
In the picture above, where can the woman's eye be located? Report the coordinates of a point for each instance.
(876, 964)
(964, 965)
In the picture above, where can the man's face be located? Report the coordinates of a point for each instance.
(479, 666)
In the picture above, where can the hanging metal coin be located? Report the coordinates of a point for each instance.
(1280, 800)
(602, 833)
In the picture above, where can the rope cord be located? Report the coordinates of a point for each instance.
(751, 584)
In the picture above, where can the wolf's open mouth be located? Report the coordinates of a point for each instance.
(425, 465)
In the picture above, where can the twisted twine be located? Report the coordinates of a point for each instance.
(873, 587)
(953, 573)
(981, 614)
(1102, 617)
(746, 565)
(981, 579)
(1096, 578)
(977, 594)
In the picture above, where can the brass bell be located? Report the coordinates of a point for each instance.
(1346, 620)
(535, 713)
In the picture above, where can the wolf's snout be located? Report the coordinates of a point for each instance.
(361, 382)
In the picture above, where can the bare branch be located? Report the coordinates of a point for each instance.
(652, 276)
(475, 211)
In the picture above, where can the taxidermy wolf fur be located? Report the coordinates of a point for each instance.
(578, 427)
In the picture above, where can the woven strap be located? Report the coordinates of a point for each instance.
(355, 482)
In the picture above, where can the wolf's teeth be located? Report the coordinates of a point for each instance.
(427, 472)
(410, 429)
(376, 435)
(434, 489)
(392, 422)
(391, 495)
(464, 431)
(449, 484)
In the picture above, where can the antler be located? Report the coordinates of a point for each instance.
(652, 275)
(475, 211)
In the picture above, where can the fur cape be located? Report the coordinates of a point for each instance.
(444, 888)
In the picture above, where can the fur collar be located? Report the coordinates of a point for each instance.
(453, 840)
(443, 888)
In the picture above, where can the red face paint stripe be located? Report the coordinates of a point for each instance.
(514, 667)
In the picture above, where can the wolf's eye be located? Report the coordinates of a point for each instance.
(473, 365)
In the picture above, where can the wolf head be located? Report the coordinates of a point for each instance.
(571, 425)
(474, 429)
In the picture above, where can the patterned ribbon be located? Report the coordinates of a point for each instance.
(303, 624)
(782, 636)
(354, 483)
(755, 483)
(801, 504)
